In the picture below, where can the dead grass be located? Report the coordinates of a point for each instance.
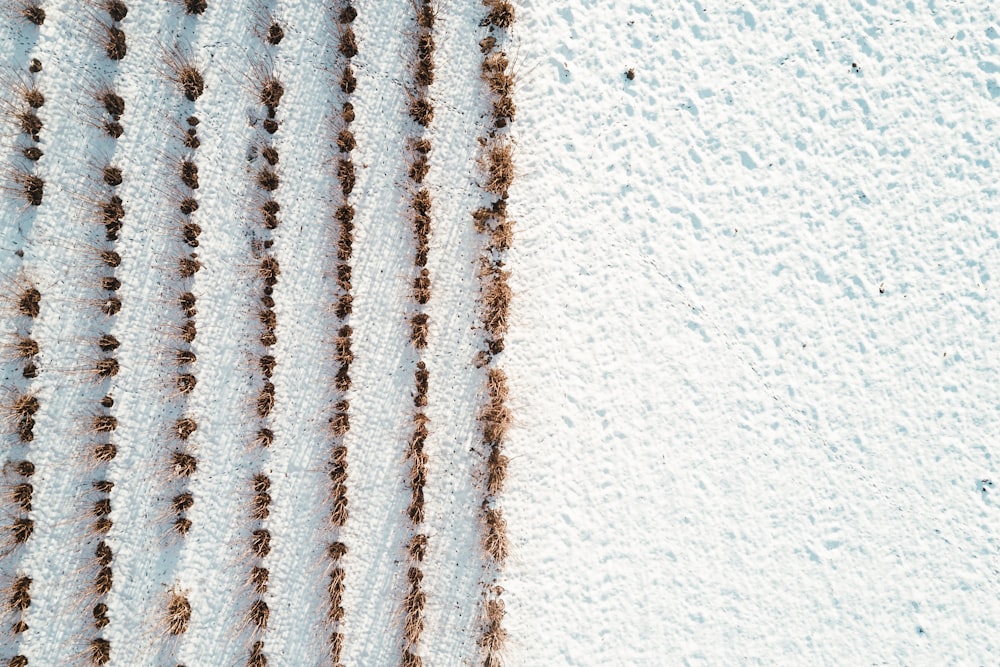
(501, 14)
(20, 495)
(20, 594)
(31, 11)
(419, 329)
(182, 464)
(418, 547)
(422, 111)
(340, 422)
(496, 297)
(114, 43)
(496, 471)
(258, 579)
(348, 82)
(100, 613)
(336, 551)
(495, 539)
(499, 167)
(346, 175)
(259, 614)
(339, 513)
(348, 46)
(260, 543)
(178, 612)
(184, 72)
(99, 651)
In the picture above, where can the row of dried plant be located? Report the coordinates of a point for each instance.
(342, 308)
(495, 296)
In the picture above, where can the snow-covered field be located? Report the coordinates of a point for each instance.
(750, 354)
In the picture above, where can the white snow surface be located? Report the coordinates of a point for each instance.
(750, 356)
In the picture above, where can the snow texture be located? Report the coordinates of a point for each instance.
(749, 356)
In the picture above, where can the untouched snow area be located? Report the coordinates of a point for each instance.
(751, 355)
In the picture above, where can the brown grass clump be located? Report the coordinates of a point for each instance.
(116, 9)
(422, 111)
(340, 423)
(426, 14)
(101, 508)
(29, 123)
(348, 43)
(258, 579)
(102, 554)
(30, 94)
(257, 657)
(275, 33)
(348, 14)
(496, 297)
(106, 367)
(411, 659)
(267, 364)
(32, 153)
(260, 508)
(105, 452)
(99, 651)
(183, 465)
(495, 540)
(348, 82)
(20, 594)
(342, 345)
(419, 329)
(418, 547)
(189, 174)
(190, 232)
(104, 423)
(184, 427)
(114, 43)
(31, 11)
(270, 88)
(110, 283)
(20, 495)
(24, 468)
(496, 471)
(339, 514)
(184, 357)
(100, 613)
(495, 419)
(33, 188)
(178, 613)
(195, 7)
(268, 180)
(336, 551)
(103, 581)
(342, 380)
(185, 73)
(260, 543)
(501, 14)
(269, 270)
(259, 614)
(347, 113)
(265, 400)
(419, 168)
(188, 266)
(25, 347)
(345, 174)
(499, 168)
(422, 287)
(344, 307)
(344, 277)
(182, 526)
(345, 141)
(265, 438)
